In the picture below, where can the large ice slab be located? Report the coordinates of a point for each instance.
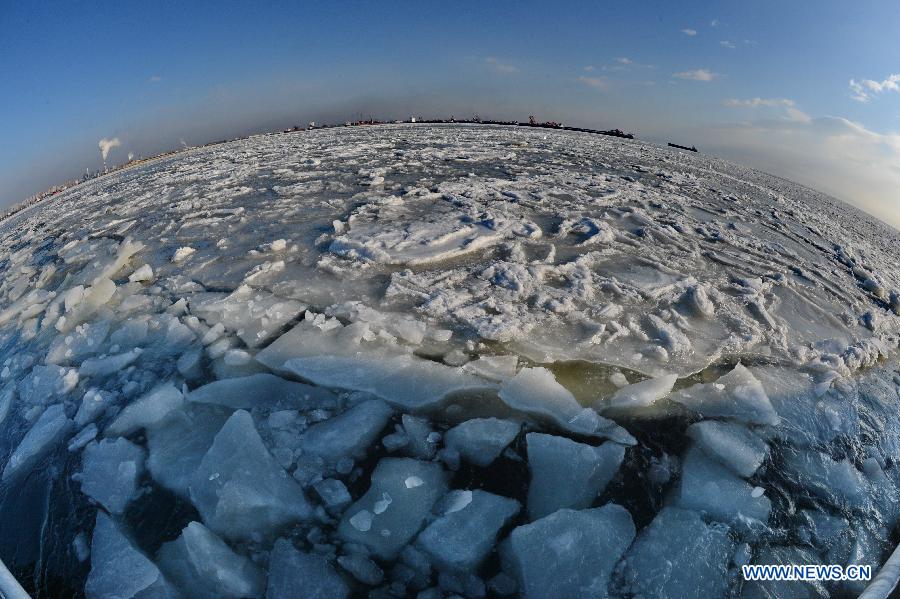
(480, 440)
(119, 569)
(240, 490)
(176, 449)
(737, 395)
(110, 472)
(202, 566)
(569, 554)
(567, 474)
(334, 355)
(712, 489)
(467, 530)
(395, 507)
(296, 574)
(49, 431)
(347, 435)
(535, 391)
(679, 555)
(147, 411)
(262, 390)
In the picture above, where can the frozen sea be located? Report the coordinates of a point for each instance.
(416, 360)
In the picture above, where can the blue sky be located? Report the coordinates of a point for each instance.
(801, 89)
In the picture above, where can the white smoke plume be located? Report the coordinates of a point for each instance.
(108, 144)
(130, 156)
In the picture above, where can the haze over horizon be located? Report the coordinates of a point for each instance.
(808, 94)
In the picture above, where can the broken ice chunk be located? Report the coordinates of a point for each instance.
(240, 489)
(461, 539)
(44, 383)
(569, 553)
(535, 391)
(480, 440)
(147, 411)
(107, 365)
(297, 575)
(92, 405)
(567, 474)
(347, 435)
(387, 532)
(49, 430)
(86, 340)
(737, 395)
(119, 569)
(110, 472)
(642, 394)
(142, 274)
(679, 555)
(710, 488)
(176, 449)
(182, 254)
(262, 390)
(730, 444)
(333, 493)
(204, 567)
(84, 436)
(255, 315)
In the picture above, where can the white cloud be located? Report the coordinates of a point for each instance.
(500, 66)
(792, 113)
(624, 60)
(863, 90)
(108, 144)
(689, 32)
(727, 44)
(154, 79)
(595, 82)
(714, 23)
(697, 75)
(589, 68)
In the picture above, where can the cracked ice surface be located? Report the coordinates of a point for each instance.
(440, 359)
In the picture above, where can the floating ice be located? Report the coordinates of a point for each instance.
(347, 435)
(253, 314)
(566, 474)
(461, 539)
(569, 553)
(737, 395)
(535, 391)
(262, 390)
(712, 489)
(642, 394)
(203, 566)
(110, 472)
(481, 440)
(387, 532)
(119, 569)
(147, 411)
(679, 555)
(295, 574)
(49, 430)
(339, 357)
(731, 445)
(239, 489)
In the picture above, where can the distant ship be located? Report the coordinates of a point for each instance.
(689, 149)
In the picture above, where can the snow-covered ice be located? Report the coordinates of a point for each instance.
(332, 346)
